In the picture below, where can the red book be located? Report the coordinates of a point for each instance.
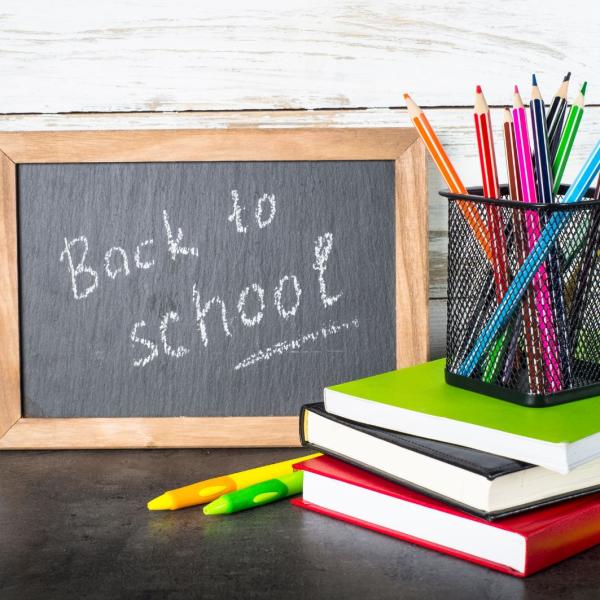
(519, 545)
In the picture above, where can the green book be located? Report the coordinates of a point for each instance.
(418, 401)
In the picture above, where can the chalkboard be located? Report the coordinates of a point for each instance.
(202, 288)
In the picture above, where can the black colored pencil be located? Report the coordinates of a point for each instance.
(556, 116)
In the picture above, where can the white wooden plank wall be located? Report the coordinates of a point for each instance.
(159, 64)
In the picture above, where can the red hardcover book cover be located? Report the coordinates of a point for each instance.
(551, 533)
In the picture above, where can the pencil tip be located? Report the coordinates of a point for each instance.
(533, 79)
(516, 89)
(478, 89)
(584, 87)
(567, 76)
(406, 96)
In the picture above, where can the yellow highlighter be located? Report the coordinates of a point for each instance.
(206, 491)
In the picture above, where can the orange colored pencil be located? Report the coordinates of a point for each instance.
(448, 172)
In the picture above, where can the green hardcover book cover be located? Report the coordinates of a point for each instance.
(417, 400)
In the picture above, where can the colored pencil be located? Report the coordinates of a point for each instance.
(491, 189)
(556, 115)
(552, 375)
(545, 195)
(448, 172)
(497, 237)
(584, 277)
(532, 263)
(567, 138)
(574, 245)
(531, 332)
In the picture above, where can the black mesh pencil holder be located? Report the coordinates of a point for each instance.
(548, 349)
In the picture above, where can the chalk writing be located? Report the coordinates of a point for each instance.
(257, 318)
(122, 268)
(259, 210)
(202, 311)
(136, 257)
(291, 311)
(164, 324)
(80, 269)
(174, 244)
(286, 295)
(237, 211)
(236, 215)
(295, 344)
(142, 362)
(323, 246)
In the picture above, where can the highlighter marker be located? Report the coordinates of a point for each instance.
(257, 495)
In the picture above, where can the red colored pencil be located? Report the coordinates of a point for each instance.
(497, 237)
(491, 189)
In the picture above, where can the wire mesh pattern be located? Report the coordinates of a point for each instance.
(550, 347)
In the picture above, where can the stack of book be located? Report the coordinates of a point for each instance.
(513, 488)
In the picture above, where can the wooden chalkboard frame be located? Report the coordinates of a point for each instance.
(398, 144)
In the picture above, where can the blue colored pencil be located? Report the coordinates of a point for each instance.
(545, 194)
(532, 263)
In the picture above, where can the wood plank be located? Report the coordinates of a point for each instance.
(139, 55)
(437, 329)
(10, 385)
(162, 432)
(206, 145)
(438, 264)
(411, 257)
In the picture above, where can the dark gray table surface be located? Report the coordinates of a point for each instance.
(74, 525)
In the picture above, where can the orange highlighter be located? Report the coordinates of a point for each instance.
(210, 489)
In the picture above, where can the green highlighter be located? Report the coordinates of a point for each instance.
(257, 495)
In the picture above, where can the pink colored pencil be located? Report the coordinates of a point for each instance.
(540, 281)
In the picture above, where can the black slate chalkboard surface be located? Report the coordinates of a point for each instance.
(202, 289)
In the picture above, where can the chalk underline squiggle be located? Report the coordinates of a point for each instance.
(288, 345)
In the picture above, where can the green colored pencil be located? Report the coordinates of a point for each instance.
(567, 138)
(493, 362)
